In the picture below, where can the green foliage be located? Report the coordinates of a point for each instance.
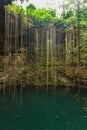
(52, 12)
(85, 1)
(71, 18)
(83, 13)
(83, 17)
(44, 17)
(31, 7)
(69, 14)
(59, 22)
(41, 17)
(14, 9)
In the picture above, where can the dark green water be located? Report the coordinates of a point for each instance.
(37, 109)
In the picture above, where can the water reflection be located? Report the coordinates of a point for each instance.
(38, 109)
(20, 96)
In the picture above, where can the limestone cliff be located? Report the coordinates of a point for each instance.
(2, 24)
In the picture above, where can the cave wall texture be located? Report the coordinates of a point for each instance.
(2, 24)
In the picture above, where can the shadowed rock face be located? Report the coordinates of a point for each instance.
(2, 24)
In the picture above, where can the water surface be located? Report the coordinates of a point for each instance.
(38, 109)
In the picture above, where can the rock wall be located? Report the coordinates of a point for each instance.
(2, 24)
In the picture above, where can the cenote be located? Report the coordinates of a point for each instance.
(36, 108)
(38, 48)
